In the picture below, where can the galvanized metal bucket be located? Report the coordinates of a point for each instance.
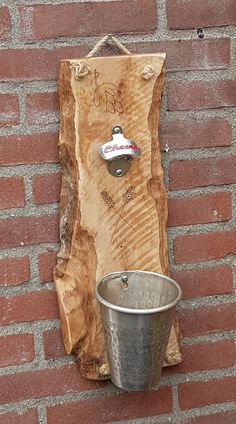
(137, 311)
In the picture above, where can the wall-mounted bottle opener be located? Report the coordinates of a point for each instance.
(119, 220)
(119, 152)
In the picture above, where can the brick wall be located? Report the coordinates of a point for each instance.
(38, 382)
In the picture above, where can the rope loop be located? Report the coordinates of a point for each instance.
(107, 40)
(148, 72)
(81, 70)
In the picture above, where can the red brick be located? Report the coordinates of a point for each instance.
(228, 417)
(46, 263)
(201, 95)
(31, 62)
(27, 417)
(16, 349)
(53, 344)
(189, 54)
(46, 188)
(204, 246)
(203, 13)
(9, 110)
(207, 320)
(12, 192)
(122, 406)
(5, 23)
(34, 148)
(206, 356)
(47, 382)
(203, 393)
(193, 134)
(14, 271)
(27, 230)
(42, 108)
(200, 209)
(202, 172)
(33, 306)
(205, 282)
(76, 19)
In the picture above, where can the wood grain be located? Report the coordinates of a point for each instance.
(108, 223)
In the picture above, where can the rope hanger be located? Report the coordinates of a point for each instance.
(82, 69)
(107, 40)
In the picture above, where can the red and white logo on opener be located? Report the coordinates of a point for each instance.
(119, 146)
(112, 148)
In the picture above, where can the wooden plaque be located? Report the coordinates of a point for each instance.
(108, 223)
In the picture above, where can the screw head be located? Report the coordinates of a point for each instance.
(200, 33)
(124, 284)
(117, 129)
(119, 172)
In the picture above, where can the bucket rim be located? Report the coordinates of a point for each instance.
(148, 311)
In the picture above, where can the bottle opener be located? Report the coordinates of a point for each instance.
(119, 152)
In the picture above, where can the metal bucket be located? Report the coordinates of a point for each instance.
(137, 311)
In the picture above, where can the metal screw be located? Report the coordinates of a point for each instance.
(200, 33)
(119, 172)
(117, 130)
(124, 280)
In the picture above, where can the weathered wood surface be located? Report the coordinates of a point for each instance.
(100, 230)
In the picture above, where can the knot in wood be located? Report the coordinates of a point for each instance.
(148, 72)
(81, 70)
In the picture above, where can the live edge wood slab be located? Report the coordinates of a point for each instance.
(108, 223)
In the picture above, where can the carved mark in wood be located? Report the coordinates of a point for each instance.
(127, 196)
(107, 97)
(111, 205)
